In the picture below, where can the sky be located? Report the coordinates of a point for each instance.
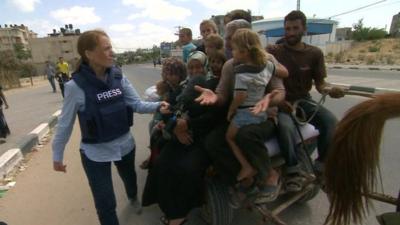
(133, 24)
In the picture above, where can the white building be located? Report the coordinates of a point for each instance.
(320, 32)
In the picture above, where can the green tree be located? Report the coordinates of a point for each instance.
(21, 53)
(9, 68)
(375, 33)
(361, 33)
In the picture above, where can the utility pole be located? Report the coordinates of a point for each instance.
(298, 4)
(179, 29)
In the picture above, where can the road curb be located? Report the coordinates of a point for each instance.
(13, 157)
(365, 89)
(365, 67)
(9, 160)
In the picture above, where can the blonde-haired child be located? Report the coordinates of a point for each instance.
(207, 27)
(213, 42)
(252, 74)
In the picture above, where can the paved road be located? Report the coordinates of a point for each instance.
(369, 78)
(376, 74)
(29, 107)
(45, 197)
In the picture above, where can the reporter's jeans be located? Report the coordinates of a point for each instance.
(324, 121)
(100, 181)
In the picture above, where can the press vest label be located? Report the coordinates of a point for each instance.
(109, 94)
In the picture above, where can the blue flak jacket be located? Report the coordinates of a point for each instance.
(106, 116)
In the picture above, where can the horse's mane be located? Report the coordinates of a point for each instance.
(352, 164)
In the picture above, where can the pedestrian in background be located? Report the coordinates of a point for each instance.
(104, 100)
(51, 73)
(185, 39)
(62, 74)
(154, 62)
(4, 130)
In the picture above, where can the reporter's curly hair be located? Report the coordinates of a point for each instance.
(352, 163)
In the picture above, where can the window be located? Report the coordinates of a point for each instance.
(18, 40)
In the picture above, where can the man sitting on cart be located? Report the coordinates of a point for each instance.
(306, 65)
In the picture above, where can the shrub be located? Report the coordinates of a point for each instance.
(389, 60)
(8, 70)
(339, 57)
(370, 60)
(27, 70)
(373, 48)
(361, 57)
(376, 33)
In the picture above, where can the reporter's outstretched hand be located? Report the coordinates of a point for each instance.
(164, 109)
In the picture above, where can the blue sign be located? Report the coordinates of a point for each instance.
(165, 46)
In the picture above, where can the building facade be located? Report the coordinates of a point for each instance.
(395, 26)
(51, 48)
(10, 35)
(343, 34)
(62, 44)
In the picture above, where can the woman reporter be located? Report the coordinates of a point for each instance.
(104, 101)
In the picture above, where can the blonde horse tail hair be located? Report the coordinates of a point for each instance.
(352, 164)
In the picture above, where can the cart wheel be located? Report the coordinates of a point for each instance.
(216, 210)
(308, 168)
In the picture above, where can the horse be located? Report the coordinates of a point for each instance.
(353, 160)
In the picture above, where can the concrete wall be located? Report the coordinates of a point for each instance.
(51, 48)
(336, 47)
(177, 52)
(343, 33)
